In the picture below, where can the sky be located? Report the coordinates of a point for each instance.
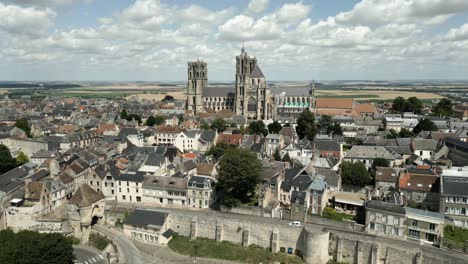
(152, 40)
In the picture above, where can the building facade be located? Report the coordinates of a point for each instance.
(250, 97)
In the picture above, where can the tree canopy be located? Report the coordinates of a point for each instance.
(7, 162)
(380, 162)
(28, 247)
(219, 149)
(335, 128)
(404, 133)
(324, 122)
(155, 120)
(168, 98)
(219, 124)
(123, 114)
(257, 128)
(287, 158)
(277, 155)
(443, 108)
(239, 173)
(425, 125)
(23, 124)
(306, 125)
(274, 128)
(413, 104)
(21, 159)
(354, 174)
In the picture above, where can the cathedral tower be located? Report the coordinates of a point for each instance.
(197, 81)
(252, 93)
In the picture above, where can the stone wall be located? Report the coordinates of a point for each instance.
(271, 233)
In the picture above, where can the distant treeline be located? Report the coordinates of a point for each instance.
(37, 85)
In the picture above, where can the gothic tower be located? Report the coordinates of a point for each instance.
(197, 81)
(252, 94)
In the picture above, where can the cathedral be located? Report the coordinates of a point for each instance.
(251, 97)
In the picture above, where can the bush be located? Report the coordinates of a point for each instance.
(98, 241)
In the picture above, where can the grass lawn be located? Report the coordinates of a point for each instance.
(98, 241)
(456, 235)
(331, 213)
(225, 250)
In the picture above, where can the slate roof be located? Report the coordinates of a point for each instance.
(137, 177)
(453, 185)
(146, 218)
(8, 177)
(331, 177)
(385, 207)
(386, 174)
(85, 196)
(198, 181)
(256, 72)
(39, 175)
(154, 160)
(327, 145)
(424, 144)
(168, 233)
(208, 135)
(219, 91)
(164, 182)
(369, 152)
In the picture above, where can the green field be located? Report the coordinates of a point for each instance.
(208, 248)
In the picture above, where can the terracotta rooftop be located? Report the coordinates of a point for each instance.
(336, 103)
(365, 108)
(419, 182)
(234, 139)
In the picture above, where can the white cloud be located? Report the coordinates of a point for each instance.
(291, 13)
(203, 15)
(244, 28)
(375, 12)
(48, 2)
(28, 21)
(257, 6)
(457, 34)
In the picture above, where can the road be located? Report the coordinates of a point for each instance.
(425, 248)
(126, 249)
(87, 255)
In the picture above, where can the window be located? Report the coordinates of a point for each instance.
(432, 226)
(123, 197)
(138, 199)
(161, 200)
(120, 189)
(128, 190)
(372, 226)
(90, 182)
(105, 184)
(414, 223)
(128, 183)
(413, 233)
(120, 183)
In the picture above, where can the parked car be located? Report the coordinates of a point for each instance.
(295, 223)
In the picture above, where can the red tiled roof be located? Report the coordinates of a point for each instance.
(337, 103)
(234, 139)
(418, 182)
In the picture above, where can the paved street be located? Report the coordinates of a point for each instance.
(88, 255)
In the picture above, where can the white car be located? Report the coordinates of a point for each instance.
(295, 223)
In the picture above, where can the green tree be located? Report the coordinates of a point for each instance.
(134, 116)
(123, 114)
(33, 247)
(151, 121)
(392, 134)
(443, 108)
(405, 133)
(219, 124)
(168, 98)
(324, 122)
(159, 120)
(274, 128)
(354, 174)
(257, 128)
(21, 159)
(287, 158)
(380, 162)
(23, 124)
(425, 125)
(335, 129)
(413, 104)
(306, 125)
(204, 125)
(239, 173)
(7, 162)
(219, 149)
(277, 155)
(399, 104)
